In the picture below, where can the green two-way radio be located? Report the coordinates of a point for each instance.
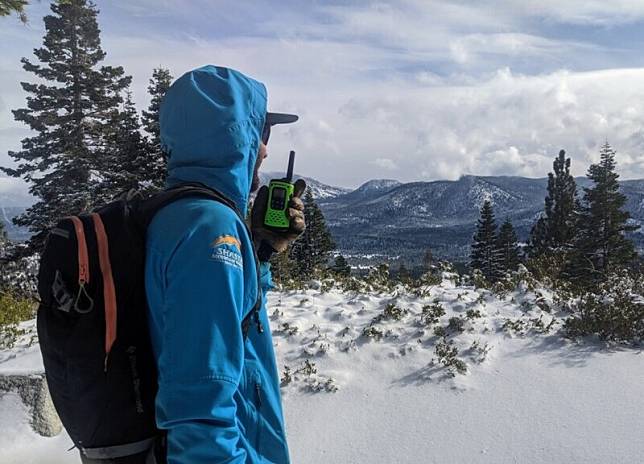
(280, 192)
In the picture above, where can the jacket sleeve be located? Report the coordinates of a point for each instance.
(265, 277)
(201, 360)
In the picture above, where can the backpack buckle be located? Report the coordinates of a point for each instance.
(60, 293)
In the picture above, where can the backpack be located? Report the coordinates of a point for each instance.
(92, 325)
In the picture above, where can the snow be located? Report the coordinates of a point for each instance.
(378, 184)
(529, 396)
(24, 357)
(19, 444)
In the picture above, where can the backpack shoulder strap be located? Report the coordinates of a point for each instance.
(149, 207)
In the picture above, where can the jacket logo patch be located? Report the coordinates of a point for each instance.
(226, 240)
(227, 250)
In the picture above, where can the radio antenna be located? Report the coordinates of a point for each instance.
(291, 162)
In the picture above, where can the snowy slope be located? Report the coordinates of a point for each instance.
(319, 190)
(527, 396)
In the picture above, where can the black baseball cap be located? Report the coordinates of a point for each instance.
(276, 118)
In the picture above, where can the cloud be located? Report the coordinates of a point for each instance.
(430, 89)
(589, 12)
(385, 163)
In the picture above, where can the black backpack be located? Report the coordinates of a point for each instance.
(92, 326)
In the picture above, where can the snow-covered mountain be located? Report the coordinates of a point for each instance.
(370, 189)
(404, 219)
(385, 217)
(319, 190)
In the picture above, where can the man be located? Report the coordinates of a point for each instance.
(218, 396)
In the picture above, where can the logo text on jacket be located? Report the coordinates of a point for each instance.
(227, 250)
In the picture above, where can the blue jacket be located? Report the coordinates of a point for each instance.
(218, 395)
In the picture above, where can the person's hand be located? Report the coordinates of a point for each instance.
(277, 240)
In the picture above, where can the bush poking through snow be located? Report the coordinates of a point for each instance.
(614, 313)
(456, 324)
(288, 329)
(372, 332)
(478, 352)
(440, 331)
(447, 354)
(308, 379)
(522, 326)
(431, 314)
(13, 310)
(472, 314)
(19, 276)
(390, 313)
(478, 279)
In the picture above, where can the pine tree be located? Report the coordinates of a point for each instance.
(404, 275)
(341, 267)
(10, 6)
(601, 246)
(154, 176)
(281, 267)
(428, 260)
(4, 239)
(507, 243)
(124, 158)
(69, 109)
(311, 250)
(485, 254)
(539, 241)
(555, 228)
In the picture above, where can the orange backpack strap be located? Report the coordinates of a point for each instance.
(109, 292)
(83, 259)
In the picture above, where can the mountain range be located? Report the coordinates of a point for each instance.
(400, 221)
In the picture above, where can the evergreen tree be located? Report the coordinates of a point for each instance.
(281, 267)
(508, 246)
(485, 254)
(601, 246)
(10, 6)
(154, 176)
(428, 260)
(69, 109)
(555, 228)
(341, 267)
(538, 243)
(311, 250)
(124, 158)
(4, 240)
(404, 275)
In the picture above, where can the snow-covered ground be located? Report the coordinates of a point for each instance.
(368, 386)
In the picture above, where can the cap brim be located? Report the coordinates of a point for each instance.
(280, 118)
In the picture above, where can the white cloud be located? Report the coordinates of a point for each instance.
(449, 87)
(597, 12)
(472, 47)
(385, 163)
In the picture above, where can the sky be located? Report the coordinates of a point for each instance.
(414, 90)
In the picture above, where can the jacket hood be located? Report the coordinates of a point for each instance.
(211, 121)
